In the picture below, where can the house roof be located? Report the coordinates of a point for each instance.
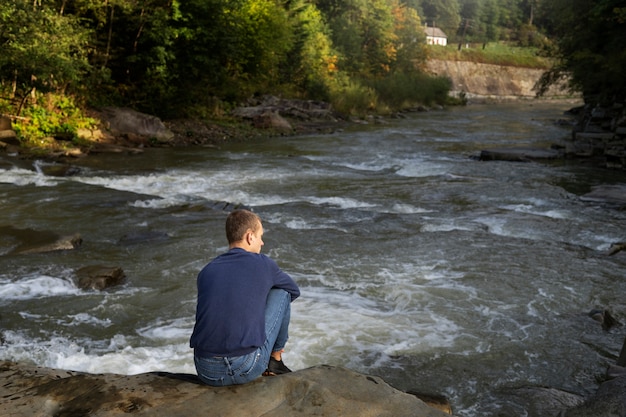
(434, 32)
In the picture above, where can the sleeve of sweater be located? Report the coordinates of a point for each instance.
(283, 281)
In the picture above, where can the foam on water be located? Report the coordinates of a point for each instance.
(376, 164)
(534, 210)
(420, 168)
(80, 355)
(178, 187)
(22, 177)
(344, 327)
(37, 286)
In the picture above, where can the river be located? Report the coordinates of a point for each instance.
(417, 263)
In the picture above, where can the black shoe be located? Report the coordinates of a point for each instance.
(276, 368)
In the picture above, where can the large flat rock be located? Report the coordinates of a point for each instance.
(28, 391)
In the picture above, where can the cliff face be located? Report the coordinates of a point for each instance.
(487, 81)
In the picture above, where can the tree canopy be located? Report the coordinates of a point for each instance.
(170, 57)
(590, 37)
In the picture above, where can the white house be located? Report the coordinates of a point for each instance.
(435, 36)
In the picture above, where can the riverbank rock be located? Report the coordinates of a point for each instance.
(276, 114)
(129, 122)
(29, 391)
(7, 134)
(608, 401)
(600, 132)
(538, 401)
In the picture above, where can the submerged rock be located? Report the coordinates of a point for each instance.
(608, 193)
(519, 154)
(31, 241)
(321, 391)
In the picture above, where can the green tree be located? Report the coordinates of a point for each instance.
(42, 50)
(311, 64)
(590, 36)
(489, 17)
(444, 14)
(410, 42)
(363, 34)
(230, 49)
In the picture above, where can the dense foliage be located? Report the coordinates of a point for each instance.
(197, 57)
(591, 47)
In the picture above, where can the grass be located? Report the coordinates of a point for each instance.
(496, 53)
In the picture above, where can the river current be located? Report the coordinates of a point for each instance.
(417, 263)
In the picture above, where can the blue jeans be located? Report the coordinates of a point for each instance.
(234, 370)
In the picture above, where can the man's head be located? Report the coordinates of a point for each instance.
(244, 230)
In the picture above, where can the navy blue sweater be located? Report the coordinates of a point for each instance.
(232, 291)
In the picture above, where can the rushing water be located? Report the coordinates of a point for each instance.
(416, 262)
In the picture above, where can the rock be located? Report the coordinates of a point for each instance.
(613, 194)
(541, 401)
(30, 241)
(131, 122)
(616, 247)
(97, 277)
(322, 390)
(616, 371)
(608, 401)
(519, 154)
(5, 123)
(436, 401)
(604, 317)
(272, 120)
(9, 137)
(62, 243)
(56, 169)
(7, 134)
(478, 81)
(271, 112)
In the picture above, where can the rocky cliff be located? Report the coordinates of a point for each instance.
(487, 81)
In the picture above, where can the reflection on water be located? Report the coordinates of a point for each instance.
(416, 262)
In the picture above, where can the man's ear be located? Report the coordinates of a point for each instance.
(248, 236)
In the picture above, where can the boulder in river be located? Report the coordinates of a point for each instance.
(319, 391)
(97, 277)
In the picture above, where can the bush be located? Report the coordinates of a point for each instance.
(52, 115)
(353, 98)
(401, 90)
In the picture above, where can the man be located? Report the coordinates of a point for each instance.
(243, 309)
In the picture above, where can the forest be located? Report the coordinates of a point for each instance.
(198, 58)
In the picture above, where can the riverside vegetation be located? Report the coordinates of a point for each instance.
(197, 60)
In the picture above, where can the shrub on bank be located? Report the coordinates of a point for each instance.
(48, 117)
